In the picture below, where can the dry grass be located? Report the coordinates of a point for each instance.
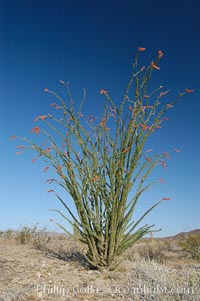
(150, 249)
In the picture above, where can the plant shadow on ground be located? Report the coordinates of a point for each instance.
(69, 256)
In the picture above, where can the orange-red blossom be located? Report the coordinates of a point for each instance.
(160, 54)
(59, 171)
(189, 91)
(96, 178)
(163, 164)
(149, 150)
(169, 105)
(162, 180)
(162, 93)
(166, 155)
(102, 91)
(140, 49)
(142, 69)
(146, 127)
(103, 124)
(148, 159)
(126, 150)
(46, 168)
(154, 66)
(13, 137)
(20, 146)
(20, 152)
(35, 129)
(42, 117)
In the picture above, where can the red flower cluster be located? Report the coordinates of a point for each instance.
(42, 117)
(160, 54)
(102, 91)
(126, 150)
(35, 129)
(141, 49)
(154, 66)
(189, 91)
(148, 159)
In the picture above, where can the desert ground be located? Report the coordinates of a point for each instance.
(54, 268)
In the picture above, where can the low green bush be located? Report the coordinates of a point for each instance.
(191, 246)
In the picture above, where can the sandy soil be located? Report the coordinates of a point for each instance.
(60, 273)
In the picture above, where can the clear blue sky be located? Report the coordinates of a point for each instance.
(92, 44)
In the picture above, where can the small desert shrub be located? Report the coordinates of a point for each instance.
(37, 237)
(24, 235)
(8, 234)
(163, 282)
(149, 250)
(191, 246)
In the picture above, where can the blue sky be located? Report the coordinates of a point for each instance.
(92, 44)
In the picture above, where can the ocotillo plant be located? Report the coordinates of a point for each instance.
(101, 162)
